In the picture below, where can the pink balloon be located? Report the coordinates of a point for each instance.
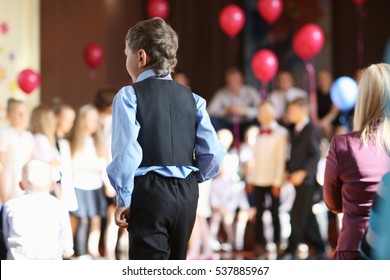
(308, 41)
(270, 10)
(231, 20)
(157, 8)
(28, 80)
(264, 65)
(93, 55)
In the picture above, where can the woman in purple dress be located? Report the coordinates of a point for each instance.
(357, 161)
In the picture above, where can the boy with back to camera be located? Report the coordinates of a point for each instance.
(163, 145)
(37, 224)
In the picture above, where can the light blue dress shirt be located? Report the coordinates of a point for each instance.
(127, 152)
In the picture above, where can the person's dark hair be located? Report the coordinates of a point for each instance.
(300, 102)
(233, 70)
(103, 98)
(11, 102)
(158, 40)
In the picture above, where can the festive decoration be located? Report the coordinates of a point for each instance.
(308, 41)
(270, 10)
(231, 20)
(157, 8)
(2, 74)
(93, 55)
(264, 65)
(343, 93)
(4, 28)
(12, 86)
(28, 80)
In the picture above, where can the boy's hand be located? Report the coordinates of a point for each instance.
(250, 188)
(275, 191)
(120, 216)
(296, 178)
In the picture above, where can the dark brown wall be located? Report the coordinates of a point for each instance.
(375, 29)
(205, 52)
(67, 26)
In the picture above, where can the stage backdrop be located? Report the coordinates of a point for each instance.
(19, 49)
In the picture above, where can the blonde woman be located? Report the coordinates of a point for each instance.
(357, 161)
(88, 156)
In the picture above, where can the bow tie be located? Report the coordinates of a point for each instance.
(265, 131)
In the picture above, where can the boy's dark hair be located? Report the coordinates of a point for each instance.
(158, 40)
(11, 102)
(233, 70)
(103, 98)
(300, 102)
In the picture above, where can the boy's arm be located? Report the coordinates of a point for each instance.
(209, 152)
(280, 158)
(125, 149)
(313, 151)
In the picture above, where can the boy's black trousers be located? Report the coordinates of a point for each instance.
(162, 215)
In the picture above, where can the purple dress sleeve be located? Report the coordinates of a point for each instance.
(332, 183)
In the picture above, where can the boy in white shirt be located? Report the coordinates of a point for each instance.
(37, 224)
(267, 172)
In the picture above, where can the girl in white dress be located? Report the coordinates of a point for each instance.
(89, 163)
(43, 127)
(16, 148)
(65, 116)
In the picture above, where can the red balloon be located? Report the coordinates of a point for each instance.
(357, 2)
(157, 8)
(28, 80)
(93, 55)
(308, 41)
(264, 65)
(270, 10)
(231, 20)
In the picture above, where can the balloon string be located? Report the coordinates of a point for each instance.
(312, 91)
(359, 36)
(234, 45)
(263, 91)
(92, 74)
(236, 133)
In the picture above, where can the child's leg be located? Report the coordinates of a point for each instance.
(81, 236)
(228, 220)
(205, 236)
(242, 220)
(94, 235)
(111, 236)
(194, 242)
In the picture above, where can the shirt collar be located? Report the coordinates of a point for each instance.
(301, 125)
(272, 125)
(151, 73)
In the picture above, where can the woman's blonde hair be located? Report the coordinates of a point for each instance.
(78, 134)
(372, 111)
(43, 122)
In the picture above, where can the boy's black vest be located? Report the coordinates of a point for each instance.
(166, 112)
